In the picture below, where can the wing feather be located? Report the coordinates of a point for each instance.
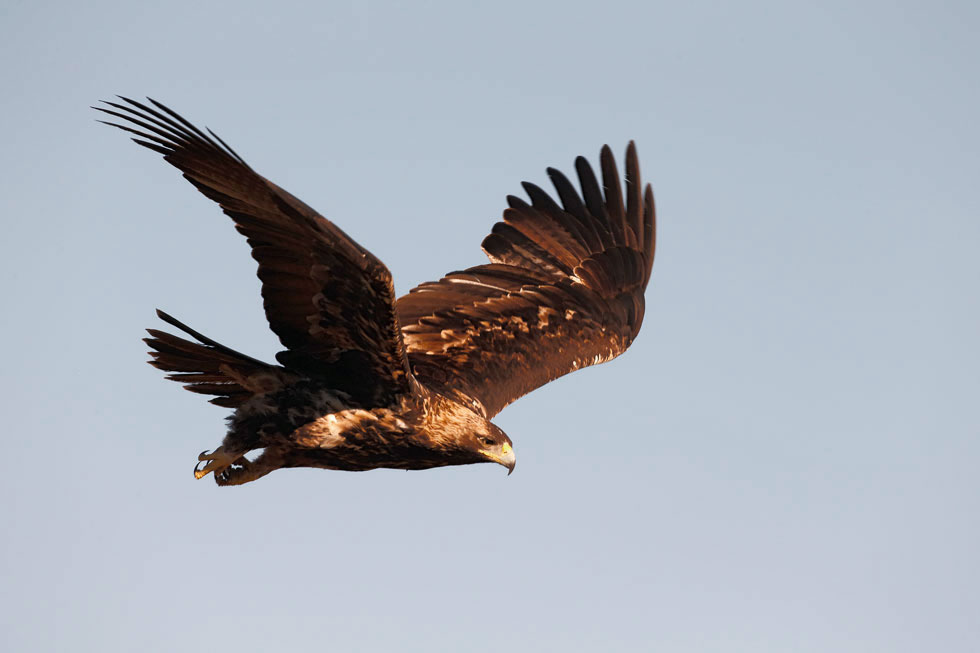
(564, 290)
(505, 243)
(330, 301)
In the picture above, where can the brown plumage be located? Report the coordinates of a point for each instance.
(368, 381)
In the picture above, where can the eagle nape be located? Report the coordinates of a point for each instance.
(368, 380)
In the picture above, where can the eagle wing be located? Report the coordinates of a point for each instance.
(564, 290)
(330, 301)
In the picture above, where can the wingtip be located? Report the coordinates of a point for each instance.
(631, 151)
(557, 177)
(155, 334)
(515, 202)
(163, 107)
(166, 317)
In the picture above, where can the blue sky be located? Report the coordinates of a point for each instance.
(786, 459)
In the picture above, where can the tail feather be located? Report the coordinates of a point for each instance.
(208, 367)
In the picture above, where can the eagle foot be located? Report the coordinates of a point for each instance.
(242, 470)
(217, 461)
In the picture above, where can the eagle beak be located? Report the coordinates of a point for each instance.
(506, 457)
(509, 462)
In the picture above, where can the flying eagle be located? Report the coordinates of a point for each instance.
(368, 380)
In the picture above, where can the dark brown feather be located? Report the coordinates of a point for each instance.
(329, 300)
(208, 367)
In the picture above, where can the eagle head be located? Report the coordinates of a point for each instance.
(465, 436)
(493, 445)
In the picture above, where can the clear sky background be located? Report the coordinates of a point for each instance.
(786, 459)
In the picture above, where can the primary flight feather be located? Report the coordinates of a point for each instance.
(369, 381)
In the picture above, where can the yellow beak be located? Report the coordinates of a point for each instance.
(506, 457)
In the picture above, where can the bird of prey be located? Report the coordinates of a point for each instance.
(368, 380)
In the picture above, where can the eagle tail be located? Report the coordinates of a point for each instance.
(208, 367)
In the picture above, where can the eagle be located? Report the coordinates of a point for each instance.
(368, 380)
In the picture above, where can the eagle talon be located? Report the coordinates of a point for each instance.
(217, 461)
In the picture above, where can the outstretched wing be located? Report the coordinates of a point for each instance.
(330, 301)
(564, 290)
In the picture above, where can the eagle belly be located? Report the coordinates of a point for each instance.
(311, 426)
(361, 439)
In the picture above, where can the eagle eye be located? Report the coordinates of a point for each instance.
(487, 441)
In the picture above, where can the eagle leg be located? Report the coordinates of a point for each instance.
(245, 471)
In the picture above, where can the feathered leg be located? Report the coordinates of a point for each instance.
(243, 471)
